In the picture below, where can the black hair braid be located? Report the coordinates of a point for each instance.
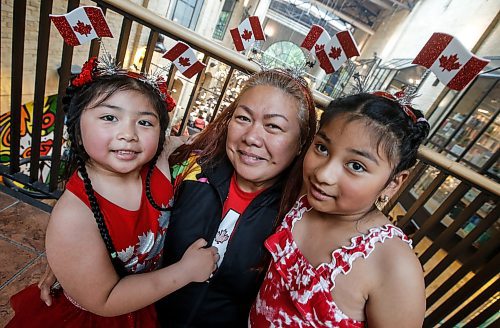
(99, 218)
(148, 187)
(412, 139)
(421, 127)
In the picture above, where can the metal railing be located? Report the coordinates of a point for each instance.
(450, 212)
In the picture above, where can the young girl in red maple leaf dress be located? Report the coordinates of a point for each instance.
(105, 237)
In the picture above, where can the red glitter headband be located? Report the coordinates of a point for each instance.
(94, 68)
(398, 98)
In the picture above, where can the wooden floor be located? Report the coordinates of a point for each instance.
(22, 249)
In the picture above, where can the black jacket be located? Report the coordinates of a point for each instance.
(226, 299)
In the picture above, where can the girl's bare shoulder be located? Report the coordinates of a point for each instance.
(69, 209)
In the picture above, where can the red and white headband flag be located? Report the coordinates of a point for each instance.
(336, 52)
(452, 63)
(82, 25)
(316, 39)
(247, 33)
(184, 59)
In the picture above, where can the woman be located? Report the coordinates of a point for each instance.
(246, 155)
(230, 190)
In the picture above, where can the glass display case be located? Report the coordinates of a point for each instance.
(470, 132)
(486, 146)
(440, 196)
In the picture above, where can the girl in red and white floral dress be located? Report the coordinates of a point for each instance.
(337, 261)
(106, 233)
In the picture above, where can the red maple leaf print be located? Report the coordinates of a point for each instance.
(82, 28)
(184, 61)
(335, 52)
(449, 63)
(319, 47)
(246, 35)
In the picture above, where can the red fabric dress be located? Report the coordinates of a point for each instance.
(138, 236)
(294, 293)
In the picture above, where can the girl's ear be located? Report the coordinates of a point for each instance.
(396, 183)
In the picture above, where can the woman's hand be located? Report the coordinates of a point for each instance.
(46, 282)
(198, 261)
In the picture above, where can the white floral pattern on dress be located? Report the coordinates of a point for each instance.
(145, 255)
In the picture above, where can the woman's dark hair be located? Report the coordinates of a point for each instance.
(87, 97)
(211, 143)
(399, 135)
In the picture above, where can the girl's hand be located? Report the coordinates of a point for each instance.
(198, 261)
(172, 143)
(169, 146)
(46, 282)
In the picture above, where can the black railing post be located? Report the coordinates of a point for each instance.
(64, 75)
(18, 28)
(194, 94)
(222, 93)
(39, 93)
(123, 41)
(150, 48)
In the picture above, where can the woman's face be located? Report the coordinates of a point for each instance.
(263, 136)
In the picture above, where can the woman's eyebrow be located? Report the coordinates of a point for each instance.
(268, 116)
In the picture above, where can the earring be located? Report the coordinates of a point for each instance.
(381, 201)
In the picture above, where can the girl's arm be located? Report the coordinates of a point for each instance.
(77, 255)
(398, 297)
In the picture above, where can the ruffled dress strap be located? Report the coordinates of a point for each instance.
(362, 246)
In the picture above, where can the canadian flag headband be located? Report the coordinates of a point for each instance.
(248, 32)
(331, 52)
(82, 25)
(86, 23)
(452, 63)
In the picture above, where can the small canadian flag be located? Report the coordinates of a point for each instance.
(247, 33)
(82, 25)
(453, 64)
(184, 59)
(316, 39)
(340, 47)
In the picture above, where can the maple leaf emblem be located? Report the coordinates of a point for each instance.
(82, 28)
(449, 63)
(221, 236)
(184, 61)
(335, 53)
(246, 35)
(319, 47)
